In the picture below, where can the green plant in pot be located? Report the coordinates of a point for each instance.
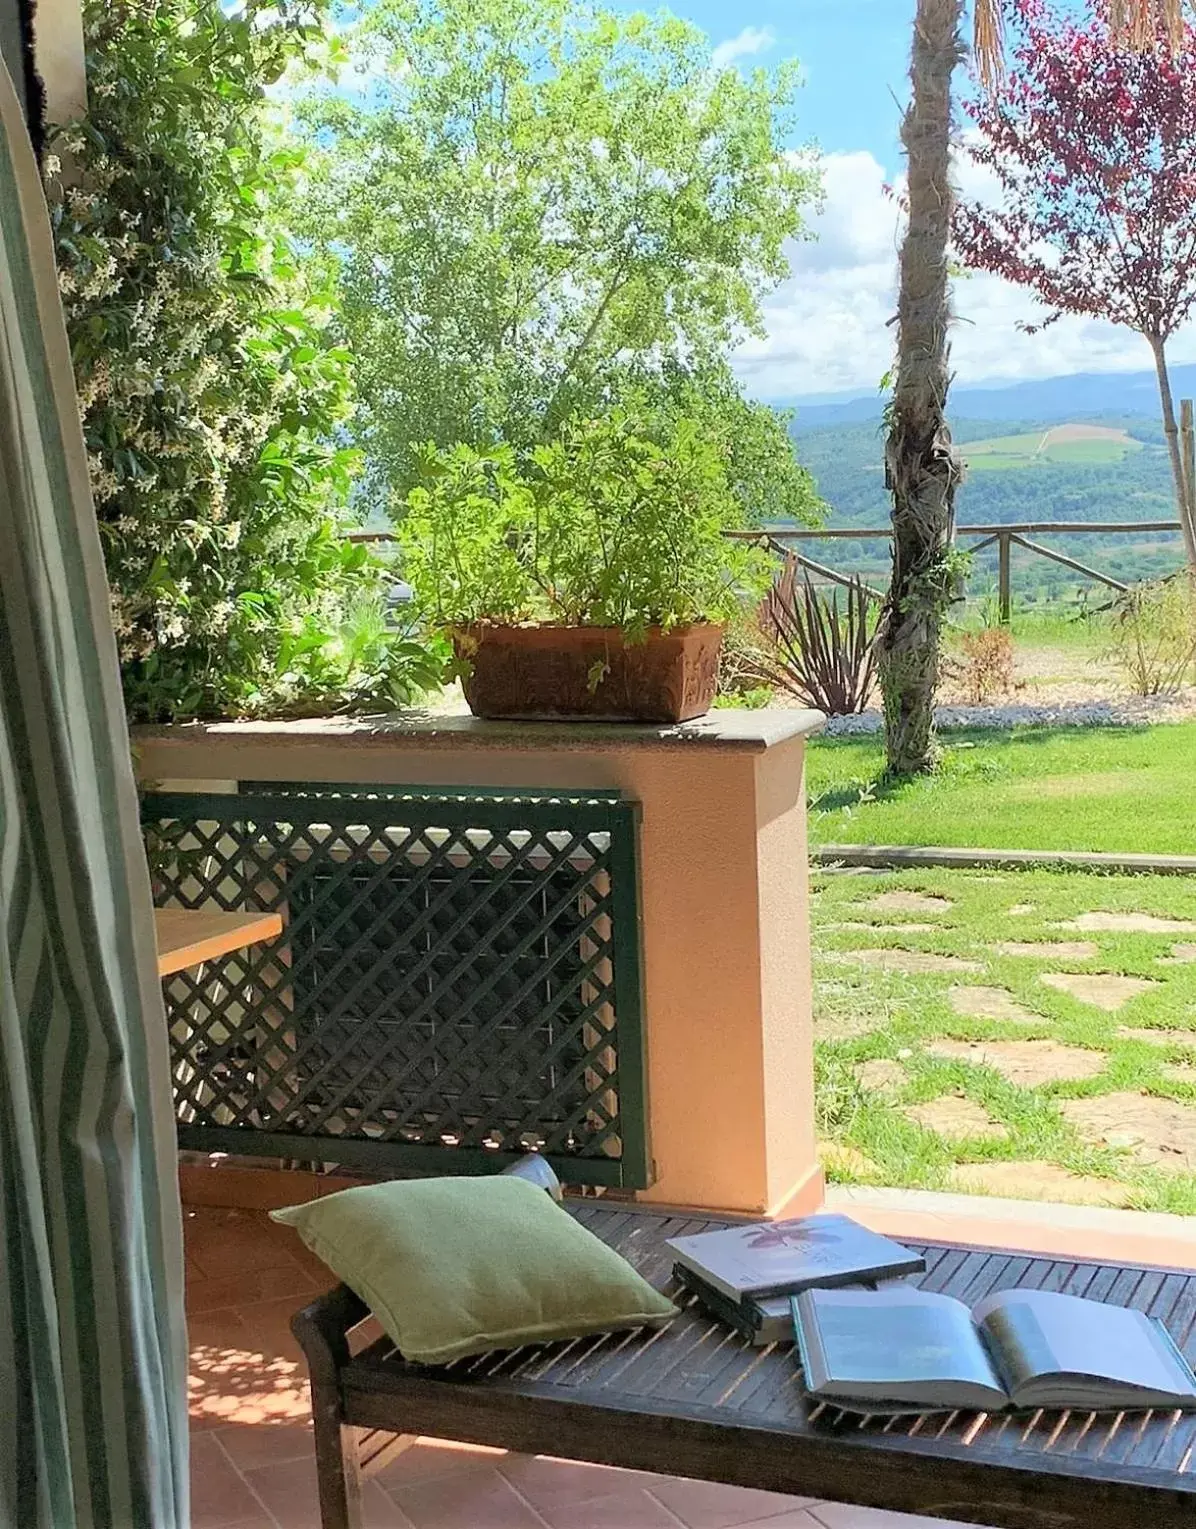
(588, 577)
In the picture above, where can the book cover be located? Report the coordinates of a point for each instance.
(781, 1257)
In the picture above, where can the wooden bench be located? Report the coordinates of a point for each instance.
(694, 1401)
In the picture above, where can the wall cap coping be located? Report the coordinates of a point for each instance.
(724, 729)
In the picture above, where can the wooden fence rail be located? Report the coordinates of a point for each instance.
(1004, 536)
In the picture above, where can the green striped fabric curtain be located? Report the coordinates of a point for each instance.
(92, 1351)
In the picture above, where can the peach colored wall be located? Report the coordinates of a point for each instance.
(724, 928)
(58, 55)
(787, 1024)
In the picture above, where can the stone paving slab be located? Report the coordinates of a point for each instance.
(913, 961)
(1105, 990)
(1027, 1063)
(1049, 950)
(1129, 923)
(1159, 1133)
(957, 1118)
(990, 1003)
(1039, 1181)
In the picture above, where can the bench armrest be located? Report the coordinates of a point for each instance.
(322, 1331)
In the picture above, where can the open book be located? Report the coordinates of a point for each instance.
(905, 1350)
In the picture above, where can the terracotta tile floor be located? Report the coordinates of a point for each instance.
(252, 1465)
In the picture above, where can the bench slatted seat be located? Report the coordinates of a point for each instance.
(694, 1400)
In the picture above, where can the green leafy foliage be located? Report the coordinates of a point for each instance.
(213, 395)
(536, 206)
(616, 521)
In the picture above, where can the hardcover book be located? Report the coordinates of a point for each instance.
(767, 1258)
(893, 1351)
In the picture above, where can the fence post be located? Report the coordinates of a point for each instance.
(1004, 583)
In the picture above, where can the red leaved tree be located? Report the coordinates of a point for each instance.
(1093, 146)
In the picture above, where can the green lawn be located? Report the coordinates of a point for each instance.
(1062, 1098)
(1119, 789)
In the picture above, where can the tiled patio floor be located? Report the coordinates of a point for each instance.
(252, 1465)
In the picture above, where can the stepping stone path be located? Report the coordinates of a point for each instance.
(1156, 1037)
(1129, 923)
(1102, 989)
(1050, 950)
(1159, 1133)
(880, 1076)
(912, 902)
(1181, 955)
(1019, 910)
(1038, 1181)
(913, 961)
(1180, 1072)
(956, 1118)
(1026, 1063)
(990, 1003)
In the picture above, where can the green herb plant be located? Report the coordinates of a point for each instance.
(617, 521)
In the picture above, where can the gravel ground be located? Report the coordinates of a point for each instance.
(1127, 711)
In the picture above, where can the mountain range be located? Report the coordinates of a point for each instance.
(1049, 398)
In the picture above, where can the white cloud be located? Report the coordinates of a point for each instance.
(747, 44)
(828, 324)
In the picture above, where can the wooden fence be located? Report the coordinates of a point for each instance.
(1005, 538)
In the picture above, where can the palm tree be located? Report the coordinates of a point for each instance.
(922, 470)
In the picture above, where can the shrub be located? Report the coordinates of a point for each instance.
(212, 398)
(617, 521)
(1153, 634)
(824, 656)
(984, 664)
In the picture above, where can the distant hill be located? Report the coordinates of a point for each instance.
(1050, 398)
(1110, 467)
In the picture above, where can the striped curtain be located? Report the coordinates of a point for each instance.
(92, 1351)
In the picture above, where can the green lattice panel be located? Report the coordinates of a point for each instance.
(458, 978)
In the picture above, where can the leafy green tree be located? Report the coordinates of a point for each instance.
(212, 393)
(533, 205)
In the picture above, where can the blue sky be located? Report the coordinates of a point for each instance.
(854, 54)
(827, 326)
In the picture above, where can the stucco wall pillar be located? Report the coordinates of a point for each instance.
(723, 892)
(58, 58)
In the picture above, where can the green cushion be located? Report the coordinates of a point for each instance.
(459, 1266)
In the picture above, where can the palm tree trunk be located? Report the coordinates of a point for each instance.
(922, 470)
(1185, 492)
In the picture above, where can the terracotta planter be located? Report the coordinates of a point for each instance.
(550, 672)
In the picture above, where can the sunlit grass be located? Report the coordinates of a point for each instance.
(1118, 789)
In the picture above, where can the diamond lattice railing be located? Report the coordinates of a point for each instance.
(458, 976)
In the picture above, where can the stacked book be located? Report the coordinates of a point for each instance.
(746, 1275)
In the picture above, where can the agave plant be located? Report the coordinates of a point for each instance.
(824, 655)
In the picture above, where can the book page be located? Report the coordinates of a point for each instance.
(885, 1343)
(1041, 1332)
